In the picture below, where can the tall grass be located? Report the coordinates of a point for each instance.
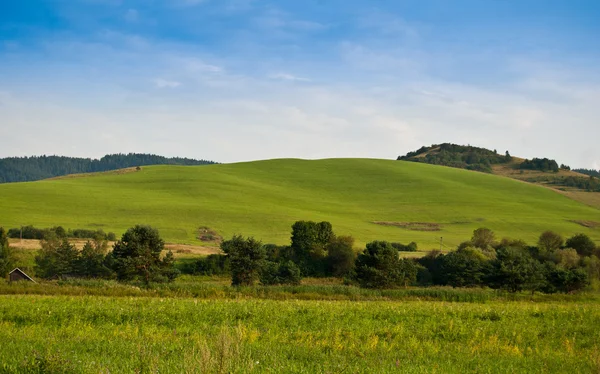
(209, 288)
(177, 335)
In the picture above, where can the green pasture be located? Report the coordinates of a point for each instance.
(63, 334)
(264, 198)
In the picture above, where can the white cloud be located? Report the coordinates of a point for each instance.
(164, 83)
(198, 65)
(288, 77)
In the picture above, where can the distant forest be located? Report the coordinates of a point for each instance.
(590, 172)
(23, 169)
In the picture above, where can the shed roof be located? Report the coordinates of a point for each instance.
(17, 270)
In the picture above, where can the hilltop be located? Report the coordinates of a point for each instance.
(368, 199)
(542, 171)
(24, 169)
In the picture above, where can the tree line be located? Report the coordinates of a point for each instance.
(31, 232)
(137, 256)
(554, 265)
(23, 169)
(590, 172)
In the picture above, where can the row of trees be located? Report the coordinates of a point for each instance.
(136, 256)
(31, 232)
(21, 169)
(552, 266)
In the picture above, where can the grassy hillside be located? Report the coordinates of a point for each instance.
(264, 198)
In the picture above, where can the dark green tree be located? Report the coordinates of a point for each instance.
(7, 259)
(565, 280)
(516, 270)
(582, 244)
(341, 256)
(247, 258)
(465, 267)
(137, 256)
(309, 241)
(90, 263)
(56, 258)
(380, 267)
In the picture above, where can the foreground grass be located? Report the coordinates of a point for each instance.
(265, 198)
(328, 289)
(170, 335)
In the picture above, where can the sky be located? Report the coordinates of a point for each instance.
(238, 80)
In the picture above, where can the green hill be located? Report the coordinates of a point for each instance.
(264, 198)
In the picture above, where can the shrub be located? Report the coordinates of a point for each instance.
(273, 273)
(214, 264)
(411, 247)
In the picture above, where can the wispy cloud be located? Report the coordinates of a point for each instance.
(288, 77)
(165, 83)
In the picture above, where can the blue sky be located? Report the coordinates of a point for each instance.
(235, 80)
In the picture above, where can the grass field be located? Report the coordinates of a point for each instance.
(63, 334)
(264, 198)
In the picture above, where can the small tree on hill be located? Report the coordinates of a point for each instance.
(137, 256)
(247, 257)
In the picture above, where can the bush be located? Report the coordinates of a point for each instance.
(273, 273)
(214, 264)
(411, 247)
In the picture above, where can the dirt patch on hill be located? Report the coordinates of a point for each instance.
(588, 224)
(208, 235)
(413, 226)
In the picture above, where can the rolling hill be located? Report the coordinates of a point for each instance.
(410, 201)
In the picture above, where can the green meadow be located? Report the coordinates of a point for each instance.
(264, 198)
(63, 334)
